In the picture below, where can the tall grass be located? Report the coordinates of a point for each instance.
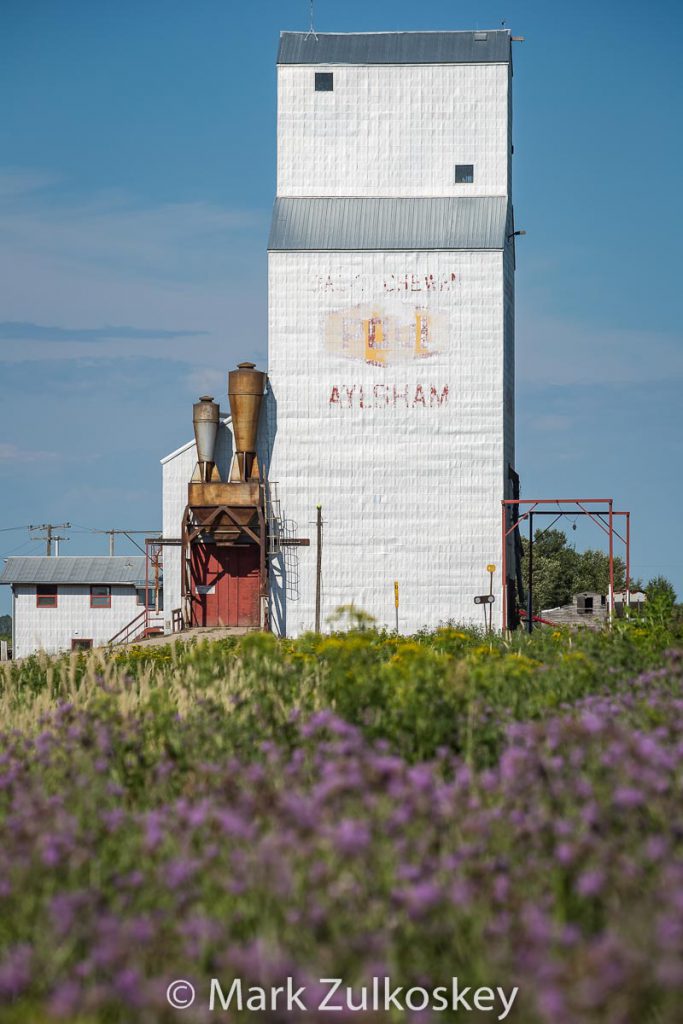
(352, 806)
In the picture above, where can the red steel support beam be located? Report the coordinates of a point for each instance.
(628, 559)
(556, 501)
(594, 516)
(611, 561)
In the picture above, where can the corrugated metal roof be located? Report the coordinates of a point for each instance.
(74, 569)
(489, 47)
(345, 223)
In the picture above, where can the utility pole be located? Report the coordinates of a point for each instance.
(50, 536)
(318, 573)
(126, 533)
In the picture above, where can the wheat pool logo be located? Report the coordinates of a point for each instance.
(378, 335)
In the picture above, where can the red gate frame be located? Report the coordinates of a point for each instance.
(595, 516)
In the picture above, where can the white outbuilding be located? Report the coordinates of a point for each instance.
(76, 602)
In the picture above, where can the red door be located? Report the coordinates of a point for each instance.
(225, 585)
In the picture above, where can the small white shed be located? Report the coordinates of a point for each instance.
(75, 602)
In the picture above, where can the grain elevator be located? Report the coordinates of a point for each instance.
(390, 398)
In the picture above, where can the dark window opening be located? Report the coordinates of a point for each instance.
(46, 595)
(324, 81)
(81, 645)
(100, 597)
(151, 598)
(464, 174)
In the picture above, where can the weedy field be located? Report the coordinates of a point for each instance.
(350, 806)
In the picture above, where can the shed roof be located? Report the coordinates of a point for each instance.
(486, 47)
(383, 223)
(122, 569)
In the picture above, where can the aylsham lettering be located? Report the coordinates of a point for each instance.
(388, 396)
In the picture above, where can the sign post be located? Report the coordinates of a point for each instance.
(396, 602)
(319, 563)
(490, 570)
(486, 600)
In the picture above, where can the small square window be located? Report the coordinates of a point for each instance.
(324, 81)
(46, 595)
(81, 644)
(100, 597)
(151, 598)
(464, 174)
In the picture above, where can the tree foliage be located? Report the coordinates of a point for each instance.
(559, 571)
(661, 589)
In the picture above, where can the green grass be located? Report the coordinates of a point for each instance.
(453, 688)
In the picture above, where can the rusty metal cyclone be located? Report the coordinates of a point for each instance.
(245, 392)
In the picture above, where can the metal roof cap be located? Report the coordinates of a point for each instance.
(482, 47)
(385, 223)
(83, 569)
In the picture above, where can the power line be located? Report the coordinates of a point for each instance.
(19, 547)
(112, 534)
(126, 533)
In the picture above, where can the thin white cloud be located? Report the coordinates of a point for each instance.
(89, 494)
(550, 423)
(206, 380)
(556, 351)
(11, 453)
(20, 181)
(122, 234)
(18, 332)
(110, 259)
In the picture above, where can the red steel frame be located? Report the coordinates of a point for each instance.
(595, 516)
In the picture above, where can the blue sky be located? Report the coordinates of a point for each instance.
(137, 171)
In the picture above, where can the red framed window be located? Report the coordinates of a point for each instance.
(46, 595)
(100, 597)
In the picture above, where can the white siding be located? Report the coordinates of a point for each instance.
(52, 629)
(176, 473)
(393, 130)
(410, 487)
